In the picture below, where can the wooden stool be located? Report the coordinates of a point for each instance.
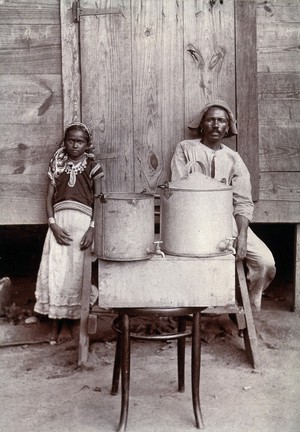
(122, 355)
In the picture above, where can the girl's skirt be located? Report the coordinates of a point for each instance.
(59, 281)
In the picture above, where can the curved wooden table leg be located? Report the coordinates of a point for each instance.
(196, 363)
(181, 354)
(117, 366)
(125, 372)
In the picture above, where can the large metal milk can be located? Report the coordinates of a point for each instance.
(196, 216)
(124, 226)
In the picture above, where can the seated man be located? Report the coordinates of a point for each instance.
(209, 155)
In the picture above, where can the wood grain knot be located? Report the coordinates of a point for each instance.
(153, 161)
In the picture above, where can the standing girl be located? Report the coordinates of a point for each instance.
(74, 178)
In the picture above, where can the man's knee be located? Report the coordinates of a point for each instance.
(271, 271)
(262, 268)
(268, 266)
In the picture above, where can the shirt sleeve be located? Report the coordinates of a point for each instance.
(96, 171)
(241, 184)
(178, 163)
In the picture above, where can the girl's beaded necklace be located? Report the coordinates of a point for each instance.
(73, 168)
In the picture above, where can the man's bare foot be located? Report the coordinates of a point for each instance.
(65, 334)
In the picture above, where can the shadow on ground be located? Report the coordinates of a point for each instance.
(44, 389)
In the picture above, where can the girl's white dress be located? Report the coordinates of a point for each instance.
(59, 280)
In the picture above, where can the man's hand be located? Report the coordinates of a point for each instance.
(241, 240)
(241, 246)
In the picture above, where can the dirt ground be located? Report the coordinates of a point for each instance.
(43, 389)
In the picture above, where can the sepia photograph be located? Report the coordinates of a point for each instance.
(150, 215)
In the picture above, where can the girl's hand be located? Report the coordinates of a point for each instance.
(87, 239)
(61, 236)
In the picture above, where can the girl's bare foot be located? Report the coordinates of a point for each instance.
(65, 334)
(54, 332)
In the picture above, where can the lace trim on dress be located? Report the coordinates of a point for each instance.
(73, 169)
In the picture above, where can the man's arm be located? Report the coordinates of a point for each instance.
(242, 206)
(241, 240)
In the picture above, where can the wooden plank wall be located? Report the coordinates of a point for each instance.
(278, 65)
(31, 108)
(209, 57)
(106, 63)
(246, 89)
(145, 74)
(30, 105)
(158, 94)
(71, 82)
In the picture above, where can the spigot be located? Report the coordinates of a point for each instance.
(158, 250)
(227, 245)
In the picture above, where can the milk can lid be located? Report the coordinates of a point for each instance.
(199, 182)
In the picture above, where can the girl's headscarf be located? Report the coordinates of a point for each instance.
(195, 124)
(83, 127)
(60, 158)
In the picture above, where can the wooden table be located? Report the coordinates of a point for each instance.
(158, 282)
(161, 283)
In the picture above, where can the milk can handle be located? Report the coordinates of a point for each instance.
(101, 197)
(164, 186)
(166, 189)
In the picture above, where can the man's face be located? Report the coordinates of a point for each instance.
(214, 124)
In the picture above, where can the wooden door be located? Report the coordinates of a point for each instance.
(146, 68)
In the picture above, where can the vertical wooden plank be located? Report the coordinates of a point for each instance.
(83, 347)
(249, 332)
(70, 64)
(107, 89)
(209, 50)
(296, 305)
(158, 110)
(172, 85)
(246, 89)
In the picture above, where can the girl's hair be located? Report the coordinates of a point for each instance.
(80, 127)
(88, 133)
